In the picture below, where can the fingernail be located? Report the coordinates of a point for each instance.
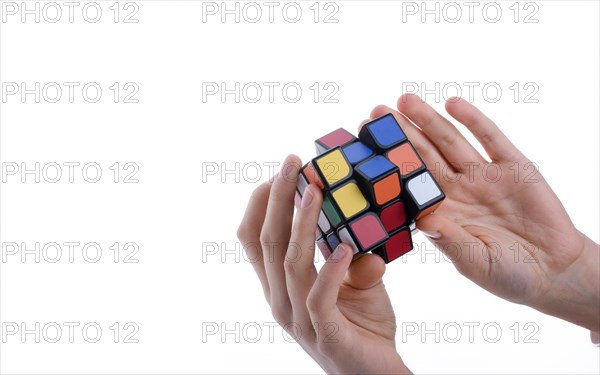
(338, 254)
(306, 198)
(285, 169)
(595, 337)
(288, 168)
(432, 234)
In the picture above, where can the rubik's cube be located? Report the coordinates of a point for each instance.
(374, 187)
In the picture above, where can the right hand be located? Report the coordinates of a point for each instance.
(503, 226)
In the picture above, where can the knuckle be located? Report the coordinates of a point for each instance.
(289, 267)
(265, 237)
(312, 303)
(279, 312)
(486, 138)
(247, 229)
(243, 232)
(448, 140)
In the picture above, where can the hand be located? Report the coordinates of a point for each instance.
(341, 316)
(501, 223)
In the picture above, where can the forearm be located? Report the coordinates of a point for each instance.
(575, 294)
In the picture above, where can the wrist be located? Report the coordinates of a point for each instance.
(575, 293)
(389, 363)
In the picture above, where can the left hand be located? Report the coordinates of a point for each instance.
(341, 316)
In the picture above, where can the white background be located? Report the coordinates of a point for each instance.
(182, 213)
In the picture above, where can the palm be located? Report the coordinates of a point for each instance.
(519, 225)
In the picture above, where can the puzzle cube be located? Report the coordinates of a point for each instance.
(310, 176)
(336, 138)
(331, 213)
(382, 134)
(380, 179)
(357, 152)
(364, 233)
(393, 215)
(398, 244)
(407, 160)
(423, 195)
(349, 200)
(332, 167)
(374, 188)
(333, 241)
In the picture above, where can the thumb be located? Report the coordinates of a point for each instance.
(322, 299)
(467, 252)
(365, 272)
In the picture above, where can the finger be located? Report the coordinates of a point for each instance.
(365, 272)
(432, 157)
(496, 144)
(275, 235)
(448, 140)
(322, 299)
(249, 232)
(300, 271)
(461, 247)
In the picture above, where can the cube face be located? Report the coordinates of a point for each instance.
(393, 215)
(357, 152)
(364, 233)
(350, 200)
(323, 223)
(380, 179)
(333, 167)
(375, 167)
(333, 241)
(398, 244)
(423, 195)
(336, 138)
(374, 189)
(407, 160)
(382, 133)
(311, 175)
(386, 189)
(331, 212)
(368, 231)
